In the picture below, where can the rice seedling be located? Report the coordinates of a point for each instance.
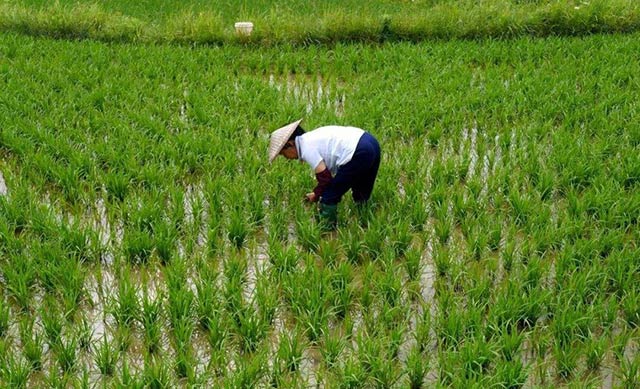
(106, 357)
(185, 363)
(417, 366)
(250, 371)
(631, 307)
(290, 351)
(32, 343)
(15, 371)
(125, 305)
(594, 353)
(156, 374)
(67, 354)
(511, 374)
(151, 320)
(283, 258)
(620, 344)
(353, 246)
(566, 360)
(52, 324)
(5, 314)
(333, 347)
(238, 229)
(250, 328)
(629, 372)
(20, 279)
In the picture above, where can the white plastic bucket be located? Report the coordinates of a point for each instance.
(244, 28)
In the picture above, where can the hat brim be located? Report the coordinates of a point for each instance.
(279, 137)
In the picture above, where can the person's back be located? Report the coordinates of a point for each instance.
(334, 145)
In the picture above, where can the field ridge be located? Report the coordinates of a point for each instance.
(501, 19)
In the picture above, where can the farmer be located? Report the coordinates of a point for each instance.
(342, 158)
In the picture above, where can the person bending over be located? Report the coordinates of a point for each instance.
(341, 157)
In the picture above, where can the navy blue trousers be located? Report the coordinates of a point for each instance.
(359, 174)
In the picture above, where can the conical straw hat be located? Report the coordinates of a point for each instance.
(279, 137)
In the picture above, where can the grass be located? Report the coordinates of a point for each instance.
(332, 22)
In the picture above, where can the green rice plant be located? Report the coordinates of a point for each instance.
(389, 288)
(419, 214)
(353, 246)
(522, 207)
(450, 329)
(422, 332)
(510, 342)
(401, 238)
(127, 379)
(56, 380)
(255, 198)
(343, 293)
(124, 306)
(151, 320)
(629, 374)
(215, 243)
(309, 295)
(250, 370)
(84, 333)
(137, 245)
(278, 225)
(595, 349)
(251, 329)
(630, 305)
(20, 277)
(476, 355)
(508, 254)
(32, 343)
(494, 237)
(566, 360)
(351, 374)
(66, 354)
(442, 260)
(511, 374)
(308, 233)
(106, 357)
(332, 349)
(180, 307)
(5, 314)
(185, 363)
(52, 321)
(15, 371)
(290, 351)
(329, 251)
(117, 186)
(235, 272)
(283, 258)
(442, 230)
(374, 239)
(417, 367)
(266, 298)
(476, 245)
(620, 344)
(165, 241)
(238, 229)
(156, 373)
(412, 264)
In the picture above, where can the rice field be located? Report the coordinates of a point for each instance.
(145, 241)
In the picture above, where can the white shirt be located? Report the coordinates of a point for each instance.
(334, 145)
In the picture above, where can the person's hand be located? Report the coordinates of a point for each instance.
(310, 197)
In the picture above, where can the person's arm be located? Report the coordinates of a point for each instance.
(323, 176)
